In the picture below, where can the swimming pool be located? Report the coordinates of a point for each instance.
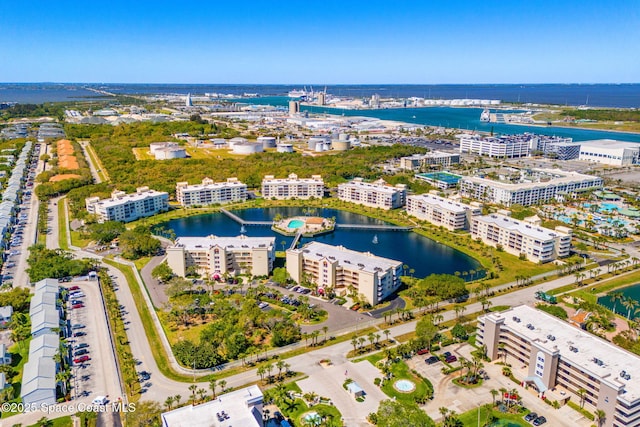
(608, 207)
(295, 223)
(405, 386)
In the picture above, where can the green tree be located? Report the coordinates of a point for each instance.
(162, 272)
(426, 330)
(396, 413)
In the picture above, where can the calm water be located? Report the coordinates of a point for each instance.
(423, 255)
(632, 292)
(605, 95)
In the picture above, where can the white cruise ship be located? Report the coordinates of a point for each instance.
(485, 116)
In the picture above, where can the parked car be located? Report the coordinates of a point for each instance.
(78, 305)
(74, 288)
(144, 375)
(530, 416)
(423, 351)
(451, 359)
(80, 346)
(81, 352)
(78, 326)
(539, 421)
(79, 334)
(76, 301)
(431, 360)
(81, 359)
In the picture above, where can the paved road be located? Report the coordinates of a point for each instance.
(92, 167)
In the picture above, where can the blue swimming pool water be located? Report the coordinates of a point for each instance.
(296, 223)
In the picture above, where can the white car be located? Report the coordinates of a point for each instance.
(100, 400)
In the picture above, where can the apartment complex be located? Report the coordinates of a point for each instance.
(214, 256)
(506, 146)
(517, 237)
(535, 186)
(560, 150)
(292, 187)
(376, 194)
(237, 408)
(211, 193)
(559, 359)
(432, 158)
(128, 207)
(610, 152)
(345, 270)
(443, 212)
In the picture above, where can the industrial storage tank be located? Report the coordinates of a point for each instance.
(168, 153)
(343, 137)
(267, 141)
(315, 140)
(236, 140)
(247, 148)
(341, 145)
(285, 148)
(323, 146)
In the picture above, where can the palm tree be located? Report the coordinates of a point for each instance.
(581, 393)
(192, 389)
(494, 393)
(325, 329)
(371, 337)
(386, 332)
(361, 341)
(261, 371)
(223, 385)
(354, 343)
(599, 416)
(614, 297)
(177, 397)
(280, 365)
(169, 402)
(630, 304)
(212, 386)
(202, 392)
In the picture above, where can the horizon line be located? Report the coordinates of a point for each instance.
(327, 84)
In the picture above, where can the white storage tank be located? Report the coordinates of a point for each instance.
(247, 148)
(315, 140)
(343, 137)
(285, 148)
(168, 153)
(236, 140)
(267, 141)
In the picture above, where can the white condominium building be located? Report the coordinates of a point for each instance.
(128, 207)
(610, 152)
(559, 360)
(418, 161)
(540, 185)
(214, 256)
(506, 146)
(292, 187)
(376, 194)
(211, 193)
(517, 237)
(443, 212)
(344, 270)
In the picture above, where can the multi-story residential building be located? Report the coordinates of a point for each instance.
(292, 187)
(519, 238)
(540, 185)
(376, 194)
(441, 211)
(561, 361)
(237, 408)
(211, 193)
(506, 146)
(345, 270)
(563, 150)
(610, 152)
(214, 256)
(128, 207)
(421, 161)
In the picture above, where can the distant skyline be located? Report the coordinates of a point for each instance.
(332, 42)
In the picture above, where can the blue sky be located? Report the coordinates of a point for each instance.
(328, 42)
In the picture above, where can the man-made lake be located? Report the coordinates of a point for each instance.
(423, 255)
(632, 292)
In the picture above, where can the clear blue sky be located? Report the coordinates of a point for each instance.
(330, 42)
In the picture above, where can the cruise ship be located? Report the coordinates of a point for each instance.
(297, 93)
(485, 116)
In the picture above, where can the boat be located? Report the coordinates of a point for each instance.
(243, 230)
(375, 239)
(485, 116)
(297, 93)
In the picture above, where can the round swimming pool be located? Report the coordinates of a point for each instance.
(404, 386)
(295, 223)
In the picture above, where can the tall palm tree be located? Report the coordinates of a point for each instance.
(169, 402)
(494, 393)
(630, 304)
(212, 386)
(581, 394)
(615, 297)
(386, 332)
(192, 389)
(223, 385)
(177, 397)
(325, 329)
(599, 416)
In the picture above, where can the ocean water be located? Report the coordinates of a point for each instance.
(604, 95)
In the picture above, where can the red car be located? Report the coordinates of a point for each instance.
(81, 359)
(423, 351)
(74, 288)
(77, 306)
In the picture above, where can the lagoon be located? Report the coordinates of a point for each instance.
(421, 254)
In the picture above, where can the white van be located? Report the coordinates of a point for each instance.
(100, 400)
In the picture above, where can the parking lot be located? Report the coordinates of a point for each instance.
(89, 339)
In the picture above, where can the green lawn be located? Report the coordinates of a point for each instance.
(400, 370)
(62, 225)
(19, 356)
(57, 422)
(470, 418)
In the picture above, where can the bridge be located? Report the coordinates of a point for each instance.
(374, 227)
(296, 240)
(241, 221)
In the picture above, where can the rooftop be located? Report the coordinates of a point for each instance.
(379, 185)
(365, 261)
(192, 243)
(610, 143)
(599, 357)
(238, 405)
(291, 178)
(448, 204)
(208, 183)
(514, 225)
(133, 197)
(557, 177)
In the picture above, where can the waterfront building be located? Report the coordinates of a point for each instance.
(535, 186)
(505, 146)
(441, 211)
(560, 360)
(292, 187)
(211, 193)
(522, 238)
(377, 194)
(214, 256)
(560, 150)
(432, 158)
(238, 408)
(610, 152)
(128, 207)
(345, 270)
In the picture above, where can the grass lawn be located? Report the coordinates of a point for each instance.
(191, 333)
(470, 418)
(57, 422)
(400, 370)
(62, 225)
(141, 262)
(591, 291)
(299, 408)
(19, 356)
(77, 240)
(142, 153)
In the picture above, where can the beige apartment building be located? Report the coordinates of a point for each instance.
(377, 194)
(441, 211)
(292, 187)
(210, 192)
(128, 207)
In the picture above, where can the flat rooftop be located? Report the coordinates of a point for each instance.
(441, 176)
(365, 261)
(238, 405)
(589, 347)
(133, 197)
(558, 177)
(212, 186)
(444, 203)
(378, 186)
(610, 143)
(526, 229)
(192, 243)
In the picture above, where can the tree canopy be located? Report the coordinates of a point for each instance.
(396, 413)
